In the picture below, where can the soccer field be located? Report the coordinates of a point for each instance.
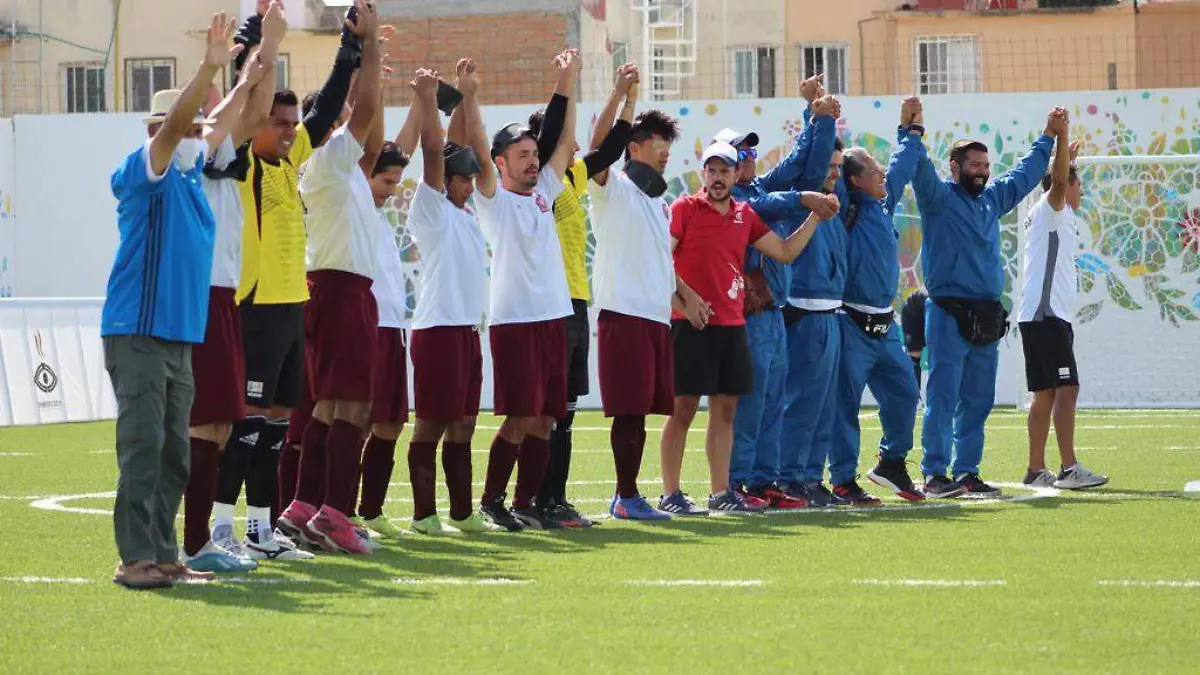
(1103, 581)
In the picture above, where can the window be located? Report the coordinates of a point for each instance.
(658, 83)
(283, 74)
(144, 78)
(827, 59)
(947, 64)
(653, 11)
(620, 55)
(85, 88)
(754, 72)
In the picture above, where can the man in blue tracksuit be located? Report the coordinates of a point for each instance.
(754, 469)
(872, 352)
(960, 251)
(813, 336)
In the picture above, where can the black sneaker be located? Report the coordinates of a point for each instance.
(819, 496)
(893, 475)
(497, 514)
(854, 495)
(565, 515)
(975, 487)
(940, 487)
(533, 518)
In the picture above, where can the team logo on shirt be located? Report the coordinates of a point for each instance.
(737, 285)
(541, 202)
(737, 217)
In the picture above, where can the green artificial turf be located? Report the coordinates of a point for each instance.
(1057, 584)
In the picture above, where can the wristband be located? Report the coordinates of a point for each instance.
(915, 127)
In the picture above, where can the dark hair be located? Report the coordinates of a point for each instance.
(1048, 180)
(853, 164)
(535, 122)
(390, 155)
(310, 100)
(838, 145)
(653, 123)
(959, 152)
(284, 97)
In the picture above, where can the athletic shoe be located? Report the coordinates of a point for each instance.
(635, 508)
(731, 501)
(337, 533)
(475, 523)
(532, 518)
(383, 527)
(495, 511)
(1039, 479)
(753, 501)
(565, 514)
(275, 546)
(778, 498)
(222, 536)
(940, 487)
(796, 491)
(819, 496)
(294, 523)
(365, 535)
(1079, 477)
(213, 558)
(893, 475)
(679, 504)
(854, 495)
(975, 486)
(430, 526)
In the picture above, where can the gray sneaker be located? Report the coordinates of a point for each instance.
(1039, 479)
(1079, 477)
(730, 501)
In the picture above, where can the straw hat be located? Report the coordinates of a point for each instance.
(161, 105)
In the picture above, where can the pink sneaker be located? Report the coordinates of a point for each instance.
(294, 523)
(338, 533)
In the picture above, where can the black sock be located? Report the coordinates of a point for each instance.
(554, 486)
(917, 369)
(262, 478)
(235, 461)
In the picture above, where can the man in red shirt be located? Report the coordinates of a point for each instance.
(709, 235)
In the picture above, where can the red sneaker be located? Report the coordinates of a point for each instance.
(782, 500)
(753, 501)
(338, 532)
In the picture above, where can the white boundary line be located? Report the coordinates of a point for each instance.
(938, 583)
(460, 581)
(45, 580)
(706, 583)
(1136, 583)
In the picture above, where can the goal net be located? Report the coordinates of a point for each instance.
(1137, 325)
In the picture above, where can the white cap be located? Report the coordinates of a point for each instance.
(736, 138)
(161, 104)
(720, 150)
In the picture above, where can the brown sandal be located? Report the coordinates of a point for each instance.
(181, 573)
(141, 575)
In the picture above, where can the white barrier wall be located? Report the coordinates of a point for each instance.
(1137, 337)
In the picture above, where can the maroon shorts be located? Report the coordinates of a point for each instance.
(637, 366)
(390, 397)
(447, 372)
(345, 330)
(219, 364)
(529, 368)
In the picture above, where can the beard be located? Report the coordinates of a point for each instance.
(719, 192)
(974, 185)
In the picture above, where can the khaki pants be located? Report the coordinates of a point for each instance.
(153, 383)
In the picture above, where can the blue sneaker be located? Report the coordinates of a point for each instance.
(635, 508)
(213, 558)
(678, 504)
(731, 501)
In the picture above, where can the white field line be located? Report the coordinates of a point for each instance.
(45, 580)
(460, 581)
(707, 583)
(1183, 448)
(937, 583)
(1137, 583)
(16, 454)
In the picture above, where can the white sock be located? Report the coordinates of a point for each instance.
(258, 523)
(222, 515)
(1072, 467)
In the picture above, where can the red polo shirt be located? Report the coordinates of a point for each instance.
(711, 252)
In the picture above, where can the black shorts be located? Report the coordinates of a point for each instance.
(273, 337)
(715, 360)
(1049, 354)
(579, 340)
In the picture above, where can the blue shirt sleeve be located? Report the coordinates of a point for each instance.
(901, 168)
(931, 191)
(787, 172)
(133, 174)
(824, 136)
(774, 206)
(1015, 185)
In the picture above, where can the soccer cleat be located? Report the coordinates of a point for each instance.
(752, 500)
(731, 501)
(893, 475)
(430, 526)
(975, 487)
(635, 508)
(475, 523)
(222, 536)
(384, 527)
(274, 546)
(819, 496)
(293, 522)
(495, 511)
(365, 535)
(679, 504)
(337, 533)
(213, 558)
(854, 495)
(778, 498)
(940, 487)
(566, 515)
(1079, 477)
(1039, 479)
(532, 518)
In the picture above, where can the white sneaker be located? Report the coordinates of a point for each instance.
(1079, 477)
(1041, 479)
(222, 536)
(275, 546)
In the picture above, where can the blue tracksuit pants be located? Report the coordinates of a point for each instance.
(813, 345)
(759, 418)
(886, 368)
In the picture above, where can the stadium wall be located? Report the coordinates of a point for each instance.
(1138, 336)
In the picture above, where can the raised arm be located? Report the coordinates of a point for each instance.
(786, 250)
(563, 154)
(930, 190)
(182, 116)
(903, 163)
(485, 182)
(374, 143)
(821, 128)
(229, 112)
(410, 132)
(1060, 174)
(366, 95)
(791, 169)
(556, 113)
(608, 139)
(331, 98)
(1015, 185)
(425, 104)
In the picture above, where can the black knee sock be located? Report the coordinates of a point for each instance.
(235, 461)
(917, 369)
(554, 486)
(262, 478)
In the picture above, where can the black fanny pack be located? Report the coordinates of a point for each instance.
(980, 322)
(876, 326)
(792, 314)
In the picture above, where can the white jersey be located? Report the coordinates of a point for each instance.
(529, 280)
(454, 265)
(342, 225)
(225, 199)
(633, 270)
(390, 294)
(1048, 265)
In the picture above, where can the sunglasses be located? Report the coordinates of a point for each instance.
(747, 153)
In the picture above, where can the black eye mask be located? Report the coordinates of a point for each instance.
(646, 178)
